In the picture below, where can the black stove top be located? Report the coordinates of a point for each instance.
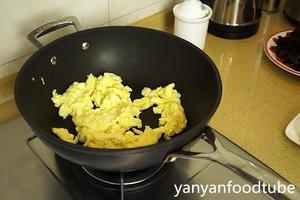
(153, 183)
(84, 183)
(81, 185)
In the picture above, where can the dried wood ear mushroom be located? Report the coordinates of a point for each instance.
(287, 49)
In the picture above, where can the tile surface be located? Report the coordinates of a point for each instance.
(119, 8)
(12, 67)
(18, 18)
(142, 13)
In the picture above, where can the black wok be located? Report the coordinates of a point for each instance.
(142, 57)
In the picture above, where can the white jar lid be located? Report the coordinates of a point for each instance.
(191, 9)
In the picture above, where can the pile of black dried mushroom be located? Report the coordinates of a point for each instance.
(288, 49)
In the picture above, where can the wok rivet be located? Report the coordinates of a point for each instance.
(85, 45)
(53, 60)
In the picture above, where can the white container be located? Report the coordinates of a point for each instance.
(191, 21)
(292, 131)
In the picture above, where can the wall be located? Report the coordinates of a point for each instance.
(19, 17)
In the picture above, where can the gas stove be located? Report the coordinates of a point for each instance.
(31, 171)
(159, 182)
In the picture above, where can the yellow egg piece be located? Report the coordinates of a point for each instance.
(105, 116)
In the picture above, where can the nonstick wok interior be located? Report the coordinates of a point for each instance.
(142, 57)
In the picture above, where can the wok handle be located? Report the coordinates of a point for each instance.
(241, 166)
(49, 27)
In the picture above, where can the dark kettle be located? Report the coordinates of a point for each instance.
(234, 18)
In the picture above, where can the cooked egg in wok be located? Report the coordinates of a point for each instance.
(105, 116)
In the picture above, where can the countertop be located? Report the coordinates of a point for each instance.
(259, 99)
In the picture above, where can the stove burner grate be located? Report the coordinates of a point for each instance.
(129, 178)
(84, 183)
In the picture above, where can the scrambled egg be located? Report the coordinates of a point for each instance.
(105, 116)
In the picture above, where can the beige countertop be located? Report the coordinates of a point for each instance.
(259, 99)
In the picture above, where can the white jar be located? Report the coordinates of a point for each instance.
(191, 21)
